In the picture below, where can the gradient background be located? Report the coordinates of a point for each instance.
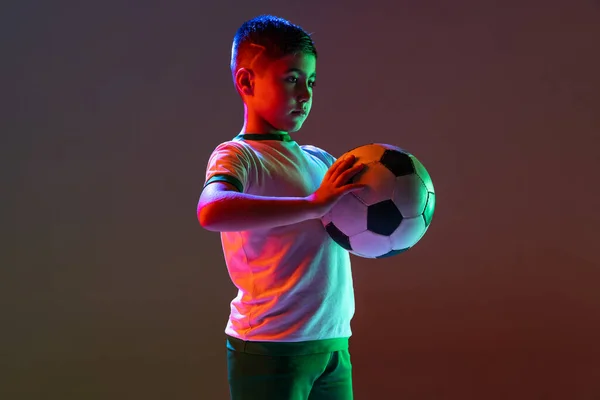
(110, 289)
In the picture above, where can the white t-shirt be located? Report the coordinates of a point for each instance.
(294, 282)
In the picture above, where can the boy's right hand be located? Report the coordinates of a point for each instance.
(335, 185)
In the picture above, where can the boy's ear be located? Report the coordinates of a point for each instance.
(244, 80)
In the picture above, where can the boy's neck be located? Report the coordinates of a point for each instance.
(254, 125)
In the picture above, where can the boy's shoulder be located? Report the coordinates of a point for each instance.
(238, 147)
(318, 152)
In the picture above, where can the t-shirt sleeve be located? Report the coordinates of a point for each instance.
(321, 154)
(230, 163)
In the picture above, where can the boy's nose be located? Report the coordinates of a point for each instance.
(304, 95)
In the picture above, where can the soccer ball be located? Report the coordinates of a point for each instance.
(392, 213)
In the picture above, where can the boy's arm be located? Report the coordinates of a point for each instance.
(223, 209)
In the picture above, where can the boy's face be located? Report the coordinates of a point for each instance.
(282, 95)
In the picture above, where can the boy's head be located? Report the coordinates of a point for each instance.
(273, 67)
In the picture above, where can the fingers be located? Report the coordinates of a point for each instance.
(346, 175)
(339, 163)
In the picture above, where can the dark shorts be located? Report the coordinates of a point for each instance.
(316, 370)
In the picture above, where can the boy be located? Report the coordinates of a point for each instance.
(287, 334)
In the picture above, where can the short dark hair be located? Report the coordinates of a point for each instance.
(275, 37)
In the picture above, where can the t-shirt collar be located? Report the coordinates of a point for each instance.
(284, 137)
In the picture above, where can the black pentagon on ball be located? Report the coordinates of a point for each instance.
(393, 253)
(383, 217)
(338, 236)
(398, 162)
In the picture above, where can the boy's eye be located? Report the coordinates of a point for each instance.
(293, 79)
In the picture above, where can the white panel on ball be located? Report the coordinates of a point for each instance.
(370, 245)
(349, 215)
(381, 183)
(410, 195)
(408, 233)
